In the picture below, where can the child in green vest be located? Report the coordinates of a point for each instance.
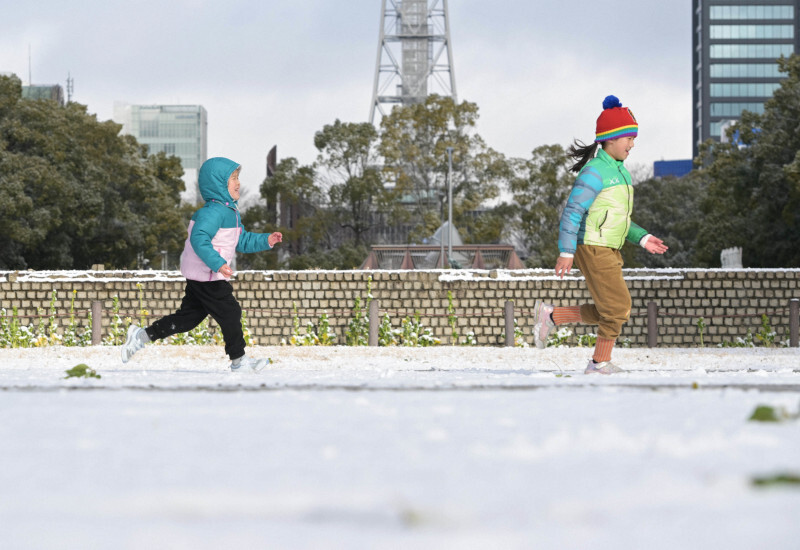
(595, 224)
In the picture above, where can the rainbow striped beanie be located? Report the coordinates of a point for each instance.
(615, 121)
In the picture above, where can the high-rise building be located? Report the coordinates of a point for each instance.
(53, 92)
(736, 45)
(179, 130)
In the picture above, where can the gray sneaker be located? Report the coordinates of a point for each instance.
(606, 367)
(542, 323)
(248, 364)
(137, 338)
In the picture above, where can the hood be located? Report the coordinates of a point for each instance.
(213, 179)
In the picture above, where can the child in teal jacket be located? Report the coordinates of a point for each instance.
(215, 235)
(595, 224)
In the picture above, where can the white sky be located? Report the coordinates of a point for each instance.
(274, 73)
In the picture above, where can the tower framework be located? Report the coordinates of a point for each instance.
(415, 57)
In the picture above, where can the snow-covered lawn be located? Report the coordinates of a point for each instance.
(398, 448)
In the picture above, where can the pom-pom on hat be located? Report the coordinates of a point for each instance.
(615, 121)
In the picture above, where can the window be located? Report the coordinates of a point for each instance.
(768, 51)
(734, 110)
(743, 90)
(744, 70)
(752, 12)
(148, 128)
(715, 128)
(743, 32)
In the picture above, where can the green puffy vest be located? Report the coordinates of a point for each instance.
(608, 220)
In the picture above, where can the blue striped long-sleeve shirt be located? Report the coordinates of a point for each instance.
(585, 190)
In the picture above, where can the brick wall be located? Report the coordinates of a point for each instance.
(731, 301)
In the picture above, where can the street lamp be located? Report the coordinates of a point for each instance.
(449, 205)
(441, 235)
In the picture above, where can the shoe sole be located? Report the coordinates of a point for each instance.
(600, 371)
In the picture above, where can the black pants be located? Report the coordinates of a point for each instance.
(213, 298)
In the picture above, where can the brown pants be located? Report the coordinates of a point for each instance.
(602, 268)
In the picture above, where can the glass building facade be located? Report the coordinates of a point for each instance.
(179, 130)
(53, 92)
(736, 45)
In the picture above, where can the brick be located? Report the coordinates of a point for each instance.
(708, 294)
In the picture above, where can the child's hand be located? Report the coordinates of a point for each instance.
(274, 238)
(226, 271)
(654, 245)
(563, 265)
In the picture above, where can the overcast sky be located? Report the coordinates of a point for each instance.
(274, 73)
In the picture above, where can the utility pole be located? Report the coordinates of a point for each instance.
(449, 206)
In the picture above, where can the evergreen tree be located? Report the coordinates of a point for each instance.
(669, 208)
(540, 191)
(347, 161)
(413, 144)
(753, 188)
(73, 192)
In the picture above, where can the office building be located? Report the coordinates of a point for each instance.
(179, 130)
(736, 45)
(53, 92)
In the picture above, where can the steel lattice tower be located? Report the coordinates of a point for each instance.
(414, 36)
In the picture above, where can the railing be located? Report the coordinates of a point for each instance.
(479, 256)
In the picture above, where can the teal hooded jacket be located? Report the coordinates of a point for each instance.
(215, 232)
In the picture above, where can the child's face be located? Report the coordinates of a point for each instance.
(619, 148)
(233, 185)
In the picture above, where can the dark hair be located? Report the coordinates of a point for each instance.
(581, 153)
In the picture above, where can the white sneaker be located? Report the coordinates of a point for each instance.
(136, 340)
(542, 323)
(248, 364)
(606, 367)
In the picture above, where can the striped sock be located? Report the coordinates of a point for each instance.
(602, 350)
(570, 314)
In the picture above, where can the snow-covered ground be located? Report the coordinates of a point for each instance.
(398, 448)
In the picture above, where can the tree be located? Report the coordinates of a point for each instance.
(80, 193)
(23, 224)
(753, 192)
(347, 158)
(484, 173)
(774, 156)
(413, 143)
(307, 224)
(668, 208)
(540, 190)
